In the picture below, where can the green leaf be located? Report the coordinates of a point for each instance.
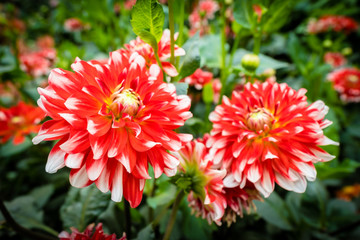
(336, 170)
(147, 21)
(164, 194)
(277, 15)
(146, 233)
(9, 149)
(243, 13)
(210, 50)
(274, 212)
(181, 88)
(83, 206)
(191, 61)
(208, 93)
(7, 60)
(42, 194)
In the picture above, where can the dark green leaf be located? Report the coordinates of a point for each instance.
(146, 233)
(42, 194)
(9, 149)
(191, 61)
(274, 212)
(83, 206)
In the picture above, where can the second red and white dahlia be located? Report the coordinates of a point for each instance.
(206, 198)
(268, 133)
(347, 82)
(112, 121)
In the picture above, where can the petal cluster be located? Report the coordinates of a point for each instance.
(112, 121)
(19, 121)
(199, 78)
(89, 234)
(164, 52)
(335, 59)
(206, 198)
(268, 133)
(346, 81)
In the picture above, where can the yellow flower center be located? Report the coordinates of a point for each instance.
(17, 120)
(126, 101)
(259, 118)
(353, 78)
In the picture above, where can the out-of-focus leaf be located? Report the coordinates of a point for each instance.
(274, 212)
(336, 170)
(191, 61)
(25, 210)
(146, 233)
(83, 206)
(293, 202)
(277, 15)
(42, 194)
(7, 60)
(208, 93)
(164, 194)
(243, 13)
(181, 88)
(210, 51)
(147, 21)
(9, 149)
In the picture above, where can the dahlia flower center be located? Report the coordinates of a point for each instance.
(259, 118)
(17, 120)
(353, 78)
(126, 101)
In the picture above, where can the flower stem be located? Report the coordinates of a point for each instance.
(127, 219)
(172, 31)
(175, 208)
(257, 43)
(223, 51)
(234, 48)
(181, 29)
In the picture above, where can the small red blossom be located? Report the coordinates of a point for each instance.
(164, 52)
(112, 121)
(74, 25)
(89, 234)
(45, 42)
(207, 8)
(129, 4)
(198, 79)
(258, 11)
(267, 133)
(195, 161)
(346, 81)
(335, 59)
(216, 85)
(332, 23)
(19, 121)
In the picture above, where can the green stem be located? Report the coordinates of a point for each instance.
(152, 193)
(127, 219)
(181, 29)
(234, 48)
(257, 43)
(172, 31)
(175, 208)
(223, 74)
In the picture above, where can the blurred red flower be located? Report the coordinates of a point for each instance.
(332, 23)
(268, 134)
(346, 81)
(73, 25)
(164, 52)
(335, 59)
(112, 121)
(198, 79)
(89, 234)
(19, 121)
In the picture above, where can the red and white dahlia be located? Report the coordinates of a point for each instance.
(89, 234)
(164, 52)
(335, 59)
(347, 82)
(206, 198)
(268, 133)
(19, 121)
(335, 23)
(111, 121)
(198, 79)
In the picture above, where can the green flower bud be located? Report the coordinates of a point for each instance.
(327, 43)
(268, 73)
(347, 51)
(250, 62)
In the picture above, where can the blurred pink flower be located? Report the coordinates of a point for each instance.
(89, 234)
(335, 59)
(332, 23)
(198, 79)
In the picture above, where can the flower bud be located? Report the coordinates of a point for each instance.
(347, 51)
(250, 62)
(327, 43)
(270, 72)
